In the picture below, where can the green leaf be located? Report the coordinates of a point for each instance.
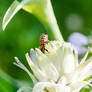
(6, 83)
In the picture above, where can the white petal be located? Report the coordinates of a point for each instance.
(42, 86)
(68, 62)
(84, 58)
(61, 88)
(47, 66)
(57, 59)
(77, 86)
(38, 73)
(52, 47)
(34, 57)
(82, 76)
(20, 65)
(87, 65)
(62, 80)
(83, 71)
(12, 10)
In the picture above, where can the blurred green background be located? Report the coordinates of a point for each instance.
(23, 33)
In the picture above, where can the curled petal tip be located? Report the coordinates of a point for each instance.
(27, 55)
(12, 10)
(31, 50)
(15, 58)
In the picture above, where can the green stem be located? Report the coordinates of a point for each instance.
(50, 23)
(44, 12)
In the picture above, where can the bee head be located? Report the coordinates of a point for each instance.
(43, 37)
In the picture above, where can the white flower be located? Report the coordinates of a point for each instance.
(58, 70)
(79, 41)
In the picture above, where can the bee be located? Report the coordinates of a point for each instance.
(43, 41)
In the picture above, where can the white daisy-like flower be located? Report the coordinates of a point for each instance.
(58, 70)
